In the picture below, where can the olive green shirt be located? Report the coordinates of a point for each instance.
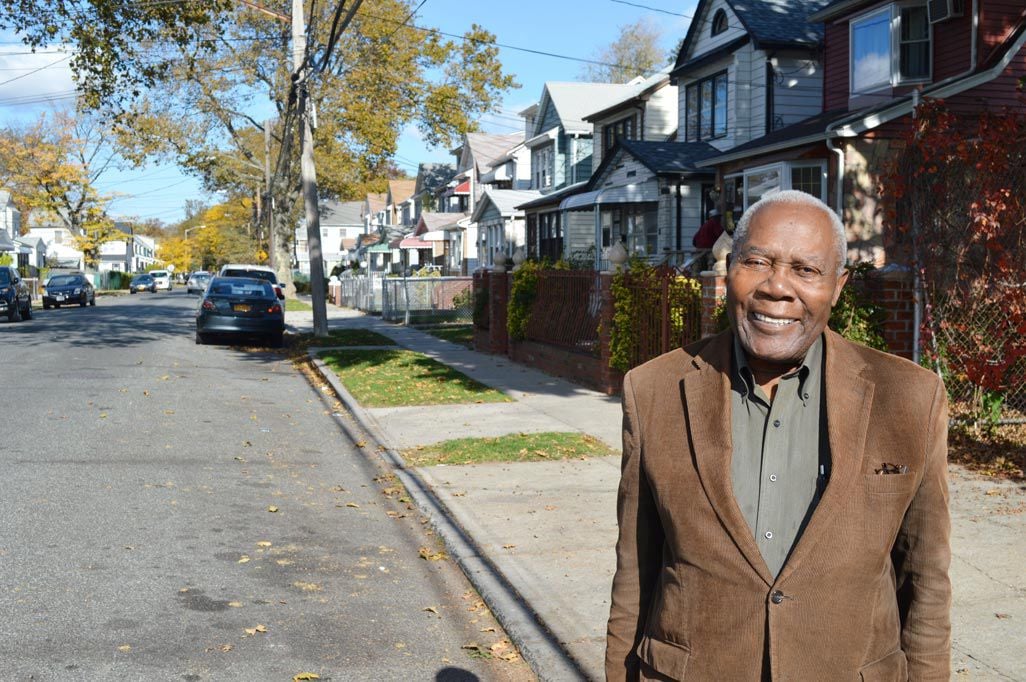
(778, 468)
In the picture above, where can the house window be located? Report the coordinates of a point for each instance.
(550, 236)
(719, 22)
(755, 183)
(622, 129)
(58, 236)
(890, 46)
(706, 108)
(541, 164)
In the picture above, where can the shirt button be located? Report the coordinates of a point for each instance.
(773, 477)
(805, 395)
(769, 535)
(777, 597)
(776, 422)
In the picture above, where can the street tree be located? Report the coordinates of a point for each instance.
(383, 76)
(635, 52)
(51, 167)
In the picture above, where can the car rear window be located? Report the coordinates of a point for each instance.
(5, 276)
(257, 274)
(242, 289)
(158, 273)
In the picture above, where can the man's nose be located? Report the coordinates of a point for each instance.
(777, 282)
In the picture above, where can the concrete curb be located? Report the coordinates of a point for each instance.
(548, 659)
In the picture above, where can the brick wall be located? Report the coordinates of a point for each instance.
(892, 288)
(714, 289)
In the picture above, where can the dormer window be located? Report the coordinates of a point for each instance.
(719, 22)
(706, 108)
(890, 47)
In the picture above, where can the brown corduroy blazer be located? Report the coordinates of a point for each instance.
(865, 593)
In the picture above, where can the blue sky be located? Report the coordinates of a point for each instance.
(573, 28)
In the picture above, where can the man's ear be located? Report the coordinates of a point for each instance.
(842, 279)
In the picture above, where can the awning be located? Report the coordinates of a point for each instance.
(626, 194)
(462, 188)
(380, 248)
(414, 243)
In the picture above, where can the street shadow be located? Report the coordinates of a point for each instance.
(456, 675)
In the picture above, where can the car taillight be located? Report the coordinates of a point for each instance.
(276, 308)
(209, 305)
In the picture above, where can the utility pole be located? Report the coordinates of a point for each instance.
(268, 194)
(308, 173)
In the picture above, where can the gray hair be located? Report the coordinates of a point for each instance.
(792, 197)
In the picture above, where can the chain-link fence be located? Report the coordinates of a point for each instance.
(362, 292)
(428, 300)
(958, 189)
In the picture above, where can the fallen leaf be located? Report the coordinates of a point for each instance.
(551, 507)
(353, 505)
(272, 509)
(244, 559)
(235, 604)
(125, 648)
(307, 587)
(305, 676)
(361, 443)
(103, 415)
(240, 459)
(259, 628)
(226, 647)
(1003, 615)
(169, 411)
(146, 393)
(487, 629)
(426, 554)
(508, 546)
(263, 543)
(430, 609)
(165, 377)
(992, 491)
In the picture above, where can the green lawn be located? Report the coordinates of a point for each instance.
(343, 337)
(396, 378)
(517, 447)
(294, 305)
(463, 335)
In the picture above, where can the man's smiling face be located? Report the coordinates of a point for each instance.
(782, 285)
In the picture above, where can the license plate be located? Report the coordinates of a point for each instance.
(58, 297)
(242, 308)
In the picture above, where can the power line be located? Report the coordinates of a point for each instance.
(46, 66)
(653, 9)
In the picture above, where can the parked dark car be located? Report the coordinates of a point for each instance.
(240, 306)
(68, 289)
(15, 298)
(143, 283)
(197, 282)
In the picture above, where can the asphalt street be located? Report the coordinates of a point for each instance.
(182, 512)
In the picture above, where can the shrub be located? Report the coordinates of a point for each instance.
(521, 298)
(856, 317)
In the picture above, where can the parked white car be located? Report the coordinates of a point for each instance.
(256, 272)
(162, 279)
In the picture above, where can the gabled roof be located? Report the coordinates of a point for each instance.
(662, 158)
(574, 101)
(768, 23)
(33, 242)
(5, 242)
(5, 197)
(486, 148)
(639, 91)
(506, 201)
(341, 213)
(429, 222)
(432, 176)
(401, 190)
(374, 203)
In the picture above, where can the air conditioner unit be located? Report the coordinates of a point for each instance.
(941, 10)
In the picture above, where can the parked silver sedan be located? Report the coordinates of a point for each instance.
(198, 282)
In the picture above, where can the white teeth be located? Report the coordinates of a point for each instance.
(771, 320)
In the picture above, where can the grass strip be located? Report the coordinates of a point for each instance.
(462, 335)
(294, 305)
(516, 447)
(341, 337)
(399, 378)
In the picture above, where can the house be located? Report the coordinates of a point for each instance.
(560, 142)
(35, 250)
(880, 58)
(500, 224)
(60, 249)
(399, 205)
(436, 241)
(130, 253)
(10, 216)
(341, 224)
(431, 179)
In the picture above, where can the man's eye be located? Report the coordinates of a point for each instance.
(806, 272)
(757, 263)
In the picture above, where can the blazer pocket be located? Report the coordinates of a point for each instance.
(666, 658)
(891, 484)
(891, 668)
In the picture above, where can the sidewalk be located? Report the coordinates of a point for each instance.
(549, 527)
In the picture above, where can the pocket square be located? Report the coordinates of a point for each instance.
(887, 468)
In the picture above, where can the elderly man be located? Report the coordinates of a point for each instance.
(783, 501)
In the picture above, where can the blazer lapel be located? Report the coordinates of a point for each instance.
(705, 391)
(849, 397)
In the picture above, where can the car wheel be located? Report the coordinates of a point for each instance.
(46, 306)
(200, 339)
(275, 340)
(92, 301)
(132, 291)
(27, 313)
(15, 314)
(84, 301)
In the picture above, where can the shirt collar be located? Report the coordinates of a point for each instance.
(811, 367)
